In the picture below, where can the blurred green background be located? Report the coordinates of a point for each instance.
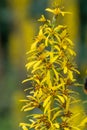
(18, 27)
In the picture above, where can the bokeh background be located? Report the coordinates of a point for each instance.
(18, 27)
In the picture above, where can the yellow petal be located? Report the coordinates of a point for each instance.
(72, 52)
(56, 115)
(49, 10)
(69, 41)
(56, 74)
(30, 64)
(84, 122)
(42, 19)
(55, 11)
(37, 64)
(57, 125)
(33, 47)
(24, 128)
(47, 107)
(46, 41)
(71, 75)
(65, 70)
(46, 101)
(61, 98)
(28, 79)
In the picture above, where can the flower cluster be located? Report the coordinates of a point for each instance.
(51, 70)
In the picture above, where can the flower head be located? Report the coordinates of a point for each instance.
(57, 11)
(51, 74)
(42, 19)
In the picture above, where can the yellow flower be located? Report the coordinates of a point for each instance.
(42, 19)
(57, 11)
(38, 39)
(24, 126)
(51, 73)
(31, 103)
(40, 35)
